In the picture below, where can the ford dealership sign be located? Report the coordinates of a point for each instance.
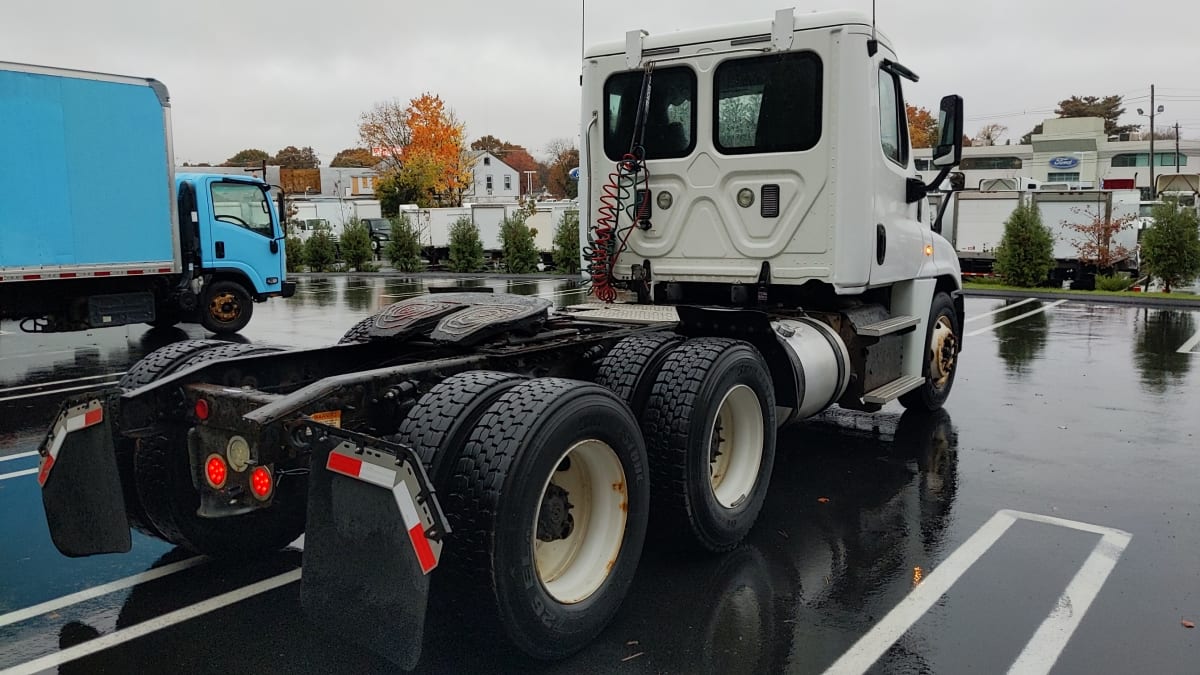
(1064, 162)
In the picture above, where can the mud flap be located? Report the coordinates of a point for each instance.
(373, 534)
(81, 487)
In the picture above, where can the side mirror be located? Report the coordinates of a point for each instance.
(948, 151)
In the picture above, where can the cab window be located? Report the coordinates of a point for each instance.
(893, 120)
(244, 205)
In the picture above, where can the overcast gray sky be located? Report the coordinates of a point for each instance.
(265, 74)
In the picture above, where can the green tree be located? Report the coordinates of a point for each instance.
(360, 158)
(466, 248)
(404, 246)
(248, 157)
(566, 243)
(1026, 252)
(1171, 245)
(1107, 108)
(517, 245)
(294, 252)
(356, 246)
(292, 157)
(319, 252)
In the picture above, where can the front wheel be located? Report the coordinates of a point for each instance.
(549, 502)
(941, 357)
(226, 307)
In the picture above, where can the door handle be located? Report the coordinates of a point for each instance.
(220, 249)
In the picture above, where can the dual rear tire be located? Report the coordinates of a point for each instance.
(545, 485)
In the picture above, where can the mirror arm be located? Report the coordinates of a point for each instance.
(915, 190)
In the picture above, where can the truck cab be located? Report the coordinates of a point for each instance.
(231, 242)
(238, 227)
(772, 152)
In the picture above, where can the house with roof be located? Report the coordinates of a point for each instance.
(493, 180)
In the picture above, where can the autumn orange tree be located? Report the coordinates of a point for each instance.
(437, 138)
(1096, 245)
(922, 127)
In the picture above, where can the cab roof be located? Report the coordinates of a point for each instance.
(801, 21)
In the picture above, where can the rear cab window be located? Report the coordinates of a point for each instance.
(670, 126)
(768, 104)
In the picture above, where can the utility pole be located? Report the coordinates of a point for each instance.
(1153, 191)
(1177, 147)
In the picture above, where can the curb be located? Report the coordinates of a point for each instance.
(1094, 299)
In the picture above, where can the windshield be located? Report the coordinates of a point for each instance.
(244, 205)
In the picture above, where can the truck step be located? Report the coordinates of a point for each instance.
(892, 390)
(888, 326)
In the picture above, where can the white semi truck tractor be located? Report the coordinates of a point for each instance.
(751, 202)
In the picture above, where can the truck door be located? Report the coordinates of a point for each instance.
(900, 237)
(243, 235)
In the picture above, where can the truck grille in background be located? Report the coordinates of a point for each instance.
(769, 204)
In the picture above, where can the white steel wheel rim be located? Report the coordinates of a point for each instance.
(942, 352)
(571, 569)
(735, 446)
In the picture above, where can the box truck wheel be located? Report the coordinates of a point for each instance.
(549, 503)
(440, 424)
(158, 363)
(710, 432)
(632, 365)
(941, 357)
(226, 307)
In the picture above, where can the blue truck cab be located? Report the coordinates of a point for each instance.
(96, 229)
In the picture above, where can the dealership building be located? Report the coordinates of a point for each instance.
(1074, 151)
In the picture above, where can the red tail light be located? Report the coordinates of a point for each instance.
(216, 471)
(202, 409)
(261, 483)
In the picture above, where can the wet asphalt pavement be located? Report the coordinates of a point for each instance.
(1069, 425)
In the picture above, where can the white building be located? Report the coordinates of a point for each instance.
(1074, 151)
(494, 181)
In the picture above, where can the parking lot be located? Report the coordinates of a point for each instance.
(1046, 520)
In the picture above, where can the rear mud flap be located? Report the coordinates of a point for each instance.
(373, 534)
(81, 487)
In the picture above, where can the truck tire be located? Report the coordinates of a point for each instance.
(710, 432)
(164, 484)
(226, 307)
(439, 425)
(546, 452)
(941, 357)
(358, 332)
(227, 350)
(158, 363)
(631, 366)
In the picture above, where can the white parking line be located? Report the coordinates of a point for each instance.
(18, 474)
(57, 391)
(1039, 310)
(1002, 309)
(152, 625)
(4, 332)
(1042, 651)
(1190, 344)
(97, 591)
(28, 354)
(19, 455)
(47, 384)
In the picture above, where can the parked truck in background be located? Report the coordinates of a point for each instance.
(97, 229)
(976, 222)
(764, 234)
